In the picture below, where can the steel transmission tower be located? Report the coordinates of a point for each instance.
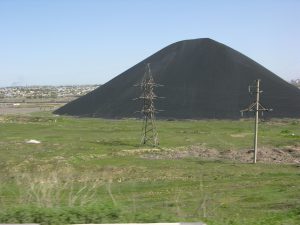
(149, 131)
(255, 107)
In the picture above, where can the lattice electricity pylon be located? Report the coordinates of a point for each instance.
(149, 131)
(255, 107)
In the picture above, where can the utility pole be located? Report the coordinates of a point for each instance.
(149, 131)
(256, 107)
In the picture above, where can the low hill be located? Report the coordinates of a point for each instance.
(201, 79)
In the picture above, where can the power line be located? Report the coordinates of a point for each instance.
(149, 131)
(255, 107)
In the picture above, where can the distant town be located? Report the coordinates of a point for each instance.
(67, 92)
(296, 82)
(45, 92)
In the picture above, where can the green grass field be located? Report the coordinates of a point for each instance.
(94, 170)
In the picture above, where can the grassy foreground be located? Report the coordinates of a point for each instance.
(94, 171)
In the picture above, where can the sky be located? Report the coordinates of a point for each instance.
(70, 42)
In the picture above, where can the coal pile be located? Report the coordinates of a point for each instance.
(201, 78)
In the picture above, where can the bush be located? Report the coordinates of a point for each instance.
(61, 215)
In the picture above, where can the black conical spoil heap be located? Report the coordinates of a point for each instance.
(201, 79)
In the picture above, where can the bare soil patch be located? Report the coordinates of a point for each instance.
(288, 154)
(26, 108)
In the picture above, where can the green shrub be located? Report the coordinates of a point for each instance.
(61, 215)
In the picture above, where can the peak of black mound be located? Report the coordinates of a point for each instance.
(201, 78)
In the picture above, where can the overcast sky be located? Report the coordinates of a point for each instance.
(90, 42)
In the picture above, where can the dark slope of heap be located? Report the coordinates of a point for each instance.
(202, 79)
